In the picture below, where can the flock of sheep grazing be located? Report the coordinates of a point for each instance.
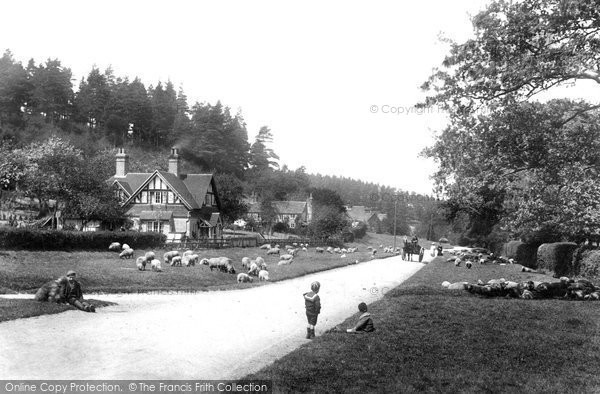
(256, 268)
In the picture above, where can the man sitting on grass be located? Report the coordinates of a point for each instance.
(365, 322)
(74, 295)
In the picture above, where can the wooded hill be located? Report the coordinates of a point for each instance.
(105, 111)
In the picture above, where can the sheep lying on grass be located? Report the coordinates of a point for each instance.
(263, 275)
(53, 291)
(273, 251)
(285, 262)
(126, 254)
(243, 278)
(114, 247)
(286, 257)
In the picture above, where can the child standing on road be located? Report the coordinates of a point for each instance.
(312, 303)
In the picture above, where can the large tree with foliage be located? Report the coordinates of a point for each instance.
(505, 159)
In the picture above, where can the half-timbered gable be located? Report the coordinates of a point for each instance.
(168, 201)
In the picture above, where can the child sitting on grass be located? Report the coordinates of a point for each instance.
(365, 322)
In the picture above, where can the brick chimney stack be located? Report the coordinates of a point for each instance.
(122, 163)
(174, 162)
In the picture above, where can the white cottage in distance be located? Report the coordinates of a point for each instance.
(169, 202)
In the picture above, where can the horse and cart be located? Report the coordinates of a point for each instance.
(412, 248)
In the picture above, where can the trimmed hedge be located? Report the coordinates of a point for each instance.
(557, 257)
(589, 264)
(523, 253)
(35, 239)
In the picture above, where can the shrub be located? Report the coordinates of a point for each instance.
(359, 231)
(36, 239)
(588, 264)
(557, 257)
(523, 253)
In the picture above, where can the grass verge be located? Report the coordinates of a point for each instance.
(429, 339)
(11, 309)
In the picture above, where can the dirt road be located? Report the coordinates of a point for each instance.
(208, 335)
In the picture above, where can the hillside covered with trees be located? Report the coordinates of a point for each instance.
(51, 129)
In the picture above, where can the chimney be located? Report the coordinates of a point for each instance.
(122, 163)
(174, 162)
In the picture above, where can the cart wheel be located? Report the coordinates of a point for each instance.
(421, 253)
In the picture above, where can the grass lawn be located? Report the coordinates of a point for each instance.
(429, 339)
(11, 309)
(104, 272)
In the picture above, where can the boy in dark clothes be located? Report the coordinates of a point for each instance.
(365, 322)
(312, 302)
(74, 295)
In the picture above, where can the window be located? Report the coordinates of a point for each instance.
(156, 227)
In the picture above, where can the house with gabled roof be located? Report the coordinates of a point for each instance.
(292, 213)
(359, 213)
(168, 201)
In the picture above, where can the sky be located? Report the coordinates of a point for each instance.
(335, 81)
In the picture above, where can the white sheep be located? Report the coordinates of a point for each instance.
(337, 250)
(194, 259)
(245, 262)
(242, 277)
(156, 265)
(176, 261)
(125, 247)
(221, 263)
(186, 260)
(468, 264)
(285, 262)
(329, 249)
(286, 257)
(169, 255)
(263, 266)
(126, 254)
(149, 256)
(188, 252)
(114, 247)
(263, 275)
(343, 256)
(141, 263)
(288, 247)
(304, 249)
(253, 269)
(265, 246)
(259, 260)
(273, 251)
(319, 250)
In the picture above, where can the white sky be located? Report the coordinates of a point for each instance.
(309, 70)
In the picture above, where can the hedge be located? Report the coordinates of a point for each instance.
(589, 264)
(557, 257)
(35, 239)
(523, 253)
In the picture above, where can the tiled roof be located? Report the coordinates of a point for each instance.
(360, 214)
(293, 207)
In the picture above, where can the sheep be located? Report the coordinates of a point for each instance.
(141, 263)
(149, 256)
(188, 252)
(343, 256)
(253, 269)
(288, 247)
(286, 257)
(229, 268)
(259, 260)
(273, 251)
(156, 265)
(186, 261)
(263, 275)
(337, 250)
(52, 291)
(125, 247)
(169, 255)
(242, 277)
(293, 252)
(320, 250)
(527, 269)
(468, 264)
(304, 249)
(285, 262)
(176, 261)
(296, 244)
(263, 266)
(266, 246)
(455, 286)
(114, 247)
(221, 263)
(246, 262)
(126, 254)
(329, 249)
(193, 259)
